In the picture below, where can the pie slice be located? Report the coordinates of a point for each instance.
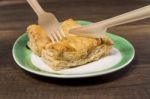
(71, 51)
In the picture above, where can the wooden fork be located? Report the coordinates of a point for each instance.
(47, 21)
(99, 29)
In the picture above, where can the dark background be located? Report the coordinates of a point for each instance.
(132, 82)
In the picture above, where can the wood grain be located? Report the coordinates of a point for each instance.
(132, 82)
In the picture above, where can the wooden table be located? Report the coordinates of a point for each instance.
(132, 82)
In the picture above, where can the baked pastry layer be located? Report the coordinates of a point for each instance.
(71, 51)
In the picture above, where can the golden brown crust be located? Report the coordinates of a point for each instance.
(37, 38)
(78, 59)
(70, 51)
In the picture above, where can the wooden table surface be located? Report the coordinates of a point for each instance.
(132, 82)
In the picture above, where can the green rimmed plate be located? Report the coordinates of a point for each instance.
(121, 55)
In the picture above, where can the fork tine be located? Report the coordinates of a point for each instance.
(51, 37)
(59, 34)
(55, 37)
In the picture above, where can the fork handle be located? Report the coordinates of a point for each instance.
(131, 16)
(36, 7)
